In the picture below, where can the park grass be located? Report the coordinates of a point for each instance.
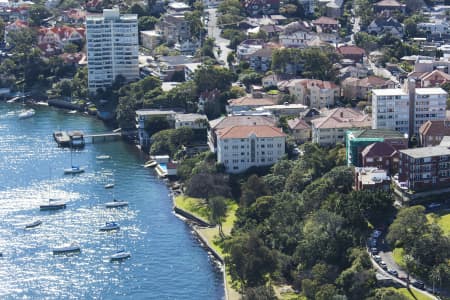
(194, 206)
(398, 254)
(412, 294)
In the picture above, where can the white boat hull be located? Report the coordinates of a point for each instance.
(116, 204)
(73, 170)
(33, 224)
(72, 248)
(27, 114)
(120, 256)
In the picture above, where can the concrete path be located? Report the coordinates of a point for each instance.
(214, 32)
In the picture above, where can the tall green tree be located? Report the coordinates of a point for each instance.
(37, 14)
(218, 207)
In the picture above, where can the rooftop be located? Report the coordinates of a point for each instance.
(298, 123)
(426, 151)
(435, 128)
(190, 117)
(370, 176)
(250, 101)
(260, 131)
(231, 121)
(389, 92)
(377, 133)
(343, 118)
(430, 91)
(154, 112)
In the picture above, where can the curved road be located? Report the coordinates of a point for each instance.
(214, 32)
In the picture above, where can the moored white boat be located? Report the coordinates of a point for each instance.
(109, 226)
(120, 255)
(53, 205)
(74, 170)
(116, 203)
(69, 248)
(150, 164)
(103, 157)
(24, 114)
(109, 185)
(33, 224)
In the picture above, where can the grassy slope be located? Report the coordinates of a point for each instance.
(398, 257)
(443, 220)
(412, 294)
(195, 206)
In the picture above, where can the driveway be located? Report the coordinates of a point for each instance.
(214, 32)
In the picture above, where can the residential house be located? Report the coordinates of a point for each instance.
(248, 103)
(208, 98)
(261, 7)
(429, 65)
(272, 31)
(178, 8)
(386, 25)
(372, 179)
(58, 37)
(381, 155)
(389, 6)
(356, 141)
(436, 27)
(144, 115)
(431, 133)
(313, 93)
(330, 129)
(356, 71)
(406, 109)
(233, 121)
(150, 39)
(326, 24)
(297, 34)
(299, 129)
(16, 25)
(424, 169)
(354, 53)
(270, 81)
(187, 47)
(280, 110)
(354, 88)
(435, 78)
(242, 147)
(73, 16)
(261, 60)
(248, 47)
(189, 70)
(173, 28)
(193, 121)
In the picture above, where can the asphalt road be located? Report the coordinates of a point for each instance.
(214, 32)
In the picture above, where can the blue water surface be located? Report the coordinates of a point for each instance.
(166, 263)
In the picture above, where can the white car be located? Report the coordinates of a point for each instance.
(383, 265)
(377, 258)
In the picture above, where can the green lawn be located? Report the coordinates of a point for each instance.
(398, 256)
(195, 206)
(412, 294)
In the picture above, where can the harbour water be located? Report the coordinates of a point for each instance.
(166, 260)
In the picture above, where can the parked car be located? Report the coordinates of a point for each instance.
(434, 205)
(419, 284)
(383, 265)
(374, 250)
(392, 272)
(376, 233)
(377, 258)
(372, 242)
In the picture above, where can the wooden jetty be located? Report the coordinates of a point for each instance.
(77, 139)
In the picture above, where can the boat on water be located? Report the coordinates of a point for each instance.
(102, 157)
(120, 255)
(116, 203)
(42, 103)
(109, 185)
(150, 164)
(74, 170)
(53, 205)
(72, 112)
(68, 248)
(109, 226)
(33, 224)
(25, 114)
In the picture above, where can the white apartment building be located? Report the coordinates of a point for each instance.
(313, 93)
(242, 147)
(112, 48)
(406, 109)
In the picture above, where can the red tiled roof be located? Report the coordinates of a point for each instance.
(379, 149)
(298, 123)
(325, 21)
(435, 128)
(343, 118)
(351, 50)
(239, 132)
(250, 101)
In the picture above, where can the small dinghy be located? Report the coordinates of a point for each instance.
(25, 114)
(65, 249)
(120, 255)
(109, 226)
(116, 203)
(102, 157)
(109, 185)
(33, 224)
